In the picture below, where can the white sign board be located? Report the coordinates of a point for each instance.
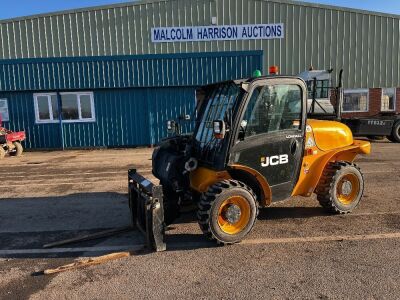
(4, 110)
(217, 33)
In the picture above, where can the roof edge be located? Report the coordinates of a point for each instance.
(143, 2)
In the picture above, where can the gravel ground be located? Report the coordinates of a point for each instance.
(295, 250)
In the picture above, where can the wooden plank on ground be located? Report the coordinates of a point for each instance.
(87, 262)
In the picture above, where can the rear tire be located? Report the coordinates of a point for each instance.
(341, 187)
(395, 137)
(17, 150)
(227, 212)
(2, 152)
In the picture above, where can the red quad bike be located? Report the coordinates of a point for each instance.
(10, 142)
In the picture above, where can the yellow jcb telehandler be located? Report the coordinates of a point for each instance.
(252, 145)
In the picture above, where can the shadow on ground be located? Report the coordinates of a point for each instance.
(188, 241)
(26, 224)
(277, 213)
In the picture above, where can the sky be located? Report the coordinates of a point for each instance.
(386, 6)
(18, 8)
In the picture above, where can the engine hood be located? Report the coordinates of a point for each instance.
(330, 135)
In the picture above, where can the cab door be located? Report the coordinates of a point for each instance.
(271, 135)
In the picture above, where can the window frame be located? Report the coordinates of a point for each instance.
(50, 106)
(8, 110)
(394, 99)
(356, 91)
(321, 88)
(272, 82)
(81, 120)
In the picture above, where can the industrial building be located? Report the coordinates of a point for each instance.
(112, 76)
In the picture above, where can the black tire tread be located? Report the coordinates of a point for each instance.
(208, 198)
(395, 137)
(326, 184)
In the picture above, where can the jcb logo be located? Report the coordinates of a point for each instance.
(274, 160)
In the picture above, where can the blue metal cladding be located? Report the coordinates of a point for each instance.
(186, 69)
(128, 112)
(120, 120)
(124, 117)
(22, 117)
(130, 117)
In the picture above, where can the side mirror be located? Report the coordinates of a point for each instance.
(171, 126)
(219, 129)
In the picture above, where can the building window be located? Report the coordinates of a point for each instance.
(46, 108)
(4, 116)
(355, 100)
(388, 102)
(75, 107)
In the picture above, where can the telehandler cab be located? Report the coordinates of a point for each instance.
(252, 145)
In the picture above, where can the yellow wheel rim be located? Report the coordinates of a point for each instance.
(348, 189)
(234, 215)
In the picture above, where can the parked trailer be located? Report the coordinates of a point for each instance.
(325, 102)
(375, 127)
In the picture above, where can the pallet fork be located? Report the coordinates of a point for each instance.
(147, 209)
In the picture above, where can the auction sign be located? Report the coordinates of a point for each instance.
(217, 33)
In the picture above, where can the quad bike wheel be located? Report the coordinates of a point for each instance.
(2, 152)
(340, 188)
(227, 211)
(17, 150)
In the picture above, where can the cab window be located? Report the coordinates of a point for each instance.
(272, 108)
(321, 89)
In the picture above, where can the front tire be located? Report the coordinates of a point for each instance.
(341, 187)
(227, 212)
(18, 149)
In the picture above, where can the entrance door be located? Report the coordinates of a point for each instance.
(271, 135)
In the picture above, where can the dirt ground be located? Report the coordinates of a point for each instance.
(296, 250)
